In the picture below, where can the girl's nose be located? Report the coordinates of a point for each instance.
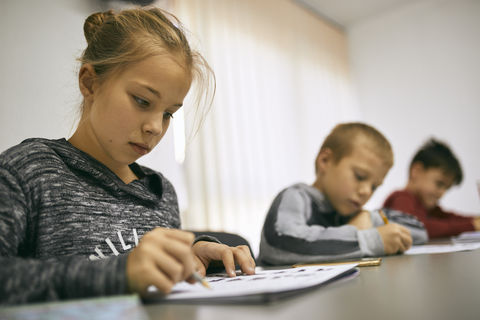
(154, 126)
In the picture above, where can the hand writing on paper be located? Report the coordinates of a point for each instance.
(162, 258)
(396, 238)
(208, 252)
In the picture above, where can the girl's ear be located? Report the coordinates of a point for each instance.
(86, 79)
(324, 158)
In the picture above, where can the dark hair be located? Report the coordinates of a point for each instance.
(345, 136)
(436, 154)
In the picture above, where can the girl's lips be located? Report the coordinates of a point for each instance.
(139, 149)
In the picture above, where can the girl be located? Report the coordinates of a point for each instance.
(72, 213)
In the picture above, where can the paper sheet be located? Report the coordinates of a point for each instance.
(467, 237)
(442, 248)
(264, 281)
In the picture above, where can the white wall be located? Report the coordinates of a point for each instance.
(417, 75)
(38, 88)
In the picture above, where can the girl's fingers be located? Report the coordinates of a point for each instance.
(177, 244)
(162, 258)
(230, 256)
(184, 255)
(169, 265)
(244, 258)
(158, 279)
(184, 236)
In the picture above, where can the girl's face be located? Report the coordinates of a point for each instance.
(128, 116)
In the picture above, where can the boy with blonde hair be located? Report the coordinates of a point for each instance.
(326, 221)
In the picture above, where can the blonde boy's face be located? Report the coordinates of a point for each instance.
(429, 185)
(350, 183)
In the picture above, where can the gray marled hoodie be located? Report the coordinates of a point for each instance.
(66, 221)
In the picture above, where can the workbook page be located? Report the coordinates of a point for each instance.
(264, 281)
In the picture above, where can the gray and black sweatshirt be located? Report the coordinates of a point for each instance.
(66, 221)
(302, 226)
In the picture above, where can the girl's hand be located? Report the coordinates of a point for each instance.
(162, 258)
(207, 252)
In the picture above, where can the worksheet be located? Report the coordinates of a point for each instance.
(467, 237)
(263, 282)
(443, 248)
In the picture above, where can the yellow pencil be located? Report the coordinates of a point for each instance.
(198, 278)
(384, 217)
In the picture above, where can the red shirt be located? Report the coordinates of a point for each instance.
(437, 222)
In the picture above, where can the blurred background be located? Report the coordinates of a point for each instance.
(287, 72)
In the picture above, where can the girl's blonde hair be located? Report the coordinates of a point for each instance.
(115, 41)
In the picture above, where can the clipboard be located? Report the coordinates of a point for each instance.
(285, 283)
(365, 262)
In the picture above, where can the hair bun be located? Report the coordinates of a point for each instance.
(94, 23)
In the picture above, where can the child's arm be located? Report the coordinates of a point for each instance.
(396, 238)
(438, 222)
(415, 228)
(29, 280)
(25, 280)
(361, 220)
(443, 224)
(288, 236)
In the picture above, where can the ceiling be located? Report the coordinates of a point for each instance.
(345, 13)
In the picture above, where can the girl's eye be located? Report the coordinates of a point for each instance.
(167, 115)
(141, 102)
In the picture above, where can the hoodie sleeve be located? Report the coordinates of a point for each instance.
(288, 238)
(24, 280)
(417, 229)
(30, 280)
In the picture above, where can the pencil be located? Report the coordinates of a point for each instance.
(384, 217)
(198, 278)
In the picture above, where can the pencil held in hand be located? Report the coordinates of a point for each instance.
(384, 217)
(198, 278)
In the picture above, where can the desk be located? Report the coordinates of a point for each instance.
(436, 286)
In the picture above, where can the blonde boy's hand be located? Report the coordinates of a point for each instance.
(361, 220)
(396, 238)
(212, 252)
(162, 258)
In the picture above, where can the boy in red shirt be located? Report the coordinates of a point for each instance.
(433, 170)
